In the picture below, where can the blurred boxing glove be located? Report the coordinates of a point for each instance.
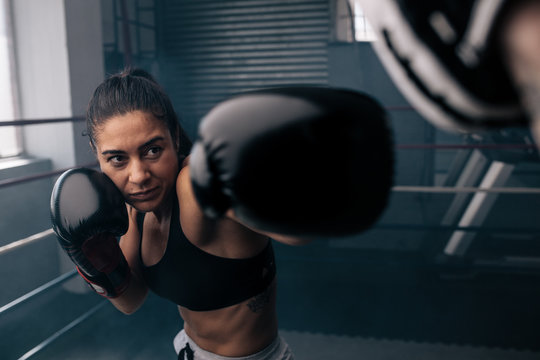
(445, 57)
(88, 214)
(309, 161)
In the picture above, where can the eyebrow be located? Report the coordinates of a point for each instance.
(146, 144)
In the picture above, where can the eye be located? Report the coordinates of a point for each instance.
(153, 152)
(116, 160)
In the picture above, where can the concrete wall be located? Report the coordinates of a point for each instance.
(43, 74)
(59, 63)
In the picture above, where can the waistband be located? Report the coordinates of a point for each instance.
(277, 350)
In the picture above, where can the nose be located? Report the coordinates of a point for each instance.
(139, 173)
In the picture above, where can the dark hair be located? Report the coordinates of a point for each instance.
(132, 90)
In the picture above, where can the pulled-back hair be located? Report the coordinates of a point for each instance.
(128, 91)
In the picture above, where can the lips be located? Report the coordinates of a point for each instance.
(144, 195)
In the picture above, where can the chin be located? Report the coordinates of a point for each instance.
(149, 205)
(144, 206)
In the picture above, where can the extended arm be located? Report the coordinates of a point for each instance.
(299, 162)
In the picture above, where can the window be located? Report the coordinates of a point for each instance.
(9, 135)
(351, 24)
(363, 31)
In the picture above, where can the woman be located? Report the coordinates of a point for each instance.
(300, 161)
(206, 266)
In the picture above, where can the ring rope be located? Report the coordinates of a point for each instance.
(23, 179)
(27, 240)
(40, 289)
(465, 146)
(62, 331)
(454, 190)
(41, 121)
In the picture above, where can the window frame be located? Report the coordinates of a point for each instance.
(14, 133)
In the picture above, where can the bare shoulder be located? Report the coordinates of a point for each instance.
(192, 218)
(183, 183)
(186, 197)
(223, 236)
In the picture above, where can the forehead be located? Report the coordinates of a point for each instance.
(130, 129)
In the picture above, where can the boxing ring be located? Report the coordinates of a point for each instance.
(471, 198)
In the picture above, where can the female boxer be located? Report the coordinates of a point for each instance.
(140, 146)
(197, 229)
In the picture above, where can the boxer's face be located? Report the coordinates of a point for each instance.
(138, 153)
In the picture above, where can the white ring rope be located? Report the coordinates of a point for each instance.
(22, 242)
(454, 190)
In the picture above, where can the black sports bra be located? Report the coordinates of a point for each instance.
(199, 281)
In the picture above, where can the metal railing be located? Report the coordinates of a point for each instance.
(41, 121)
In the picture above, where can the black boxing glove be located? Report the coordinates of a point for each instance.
(308, 161)
(445, 57)
(88, 213)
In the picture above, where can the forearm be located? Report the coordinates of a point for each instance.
(136, 291)
(133, 297)
(285, 239)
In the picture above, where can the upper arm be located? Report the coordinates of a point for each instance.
(198, 228)
(289, 240)
(285, 239)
